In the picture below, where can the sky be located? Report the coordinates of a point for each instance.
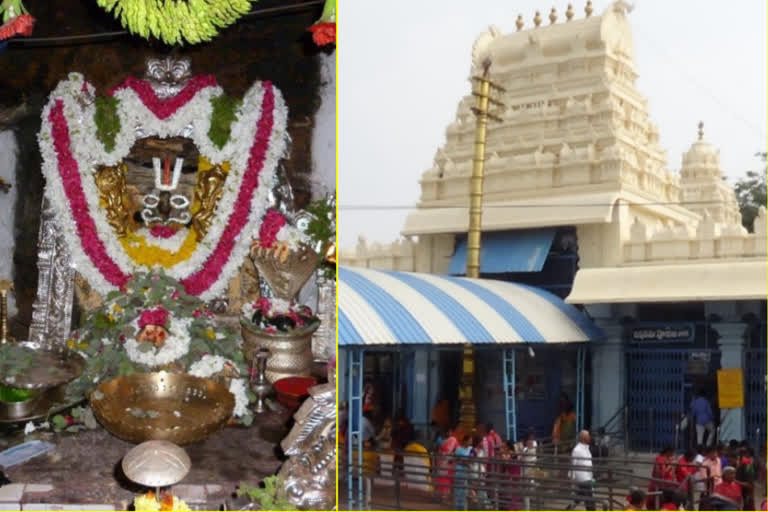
(403, 67)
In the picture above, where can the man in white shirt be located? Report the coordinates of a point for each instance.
(581, 459)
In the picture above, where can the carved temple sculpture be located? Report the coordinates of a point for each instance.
(310, 471)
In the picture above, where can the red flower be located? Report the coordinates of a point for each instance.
(21, 25)
(296, 318)
(271, 224)
(323, 33)
(157, 316)
(70, 176)
(164, 109)
(162, 231)
(262, 304)
(201, 280)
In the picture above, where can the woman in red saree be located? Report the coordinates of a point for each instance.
(663, 469)
(686, 467)
(444, 480)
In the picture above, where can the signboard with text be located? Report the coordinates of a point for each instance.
(663, 333)
(730, 388)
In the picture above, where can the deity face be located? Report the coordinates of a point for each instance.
(160, 181)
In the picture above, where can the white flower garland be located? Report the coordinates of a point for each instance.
(211, 365)
(176, 344)
(292, 236)
(208, 365)
(238, 389)
(88, 152)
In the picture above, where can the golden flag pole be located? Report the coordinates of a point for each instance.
(468, 410)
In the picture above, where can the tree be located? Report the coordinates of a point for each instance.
(751, 193)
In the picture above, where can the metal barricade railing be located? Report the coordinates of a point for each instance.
(530, 482)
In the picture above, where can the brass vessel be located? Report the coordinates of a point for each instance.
(23, 408)
(290, 352)
(174, 407)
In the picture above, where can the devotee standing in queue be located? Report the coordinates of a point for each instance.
(493, 438)
(511, 472)
(367, 429)
(729, 489)
(686, 469)
(746, 473)
(701, 413)
(581, 457)
(712, 466)
(663, 469)
(564, 429)
(478, 472)
(461, 483)
(444, 464)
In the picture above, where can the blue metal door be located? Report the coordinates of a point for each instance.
(655, 396)
(754, 396)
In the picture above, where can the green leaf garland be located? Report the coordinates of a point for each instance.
(223, 113)
(107, 120)
(111, 324)
(176, 21)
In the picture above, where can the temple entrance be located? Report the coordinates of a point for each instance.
(660, 386)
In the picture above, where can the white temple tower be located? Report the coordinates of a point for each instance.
(704, 189)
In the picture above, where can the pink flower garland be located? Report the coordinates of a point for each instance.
(158, 316)
(201, 280)
(271, 224)
(70, 178)
(164, 109)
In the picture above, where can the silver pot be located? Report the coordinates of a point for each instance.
(12, 410)
(290, 353)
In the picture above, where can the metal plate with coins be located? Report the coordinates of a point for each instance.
(156, 464)
(175, 407)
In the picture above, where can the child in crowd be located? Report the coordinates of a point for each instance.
(635, 500)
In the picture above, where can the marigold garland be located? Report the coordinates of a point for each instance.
(142, 253)
(176, 21)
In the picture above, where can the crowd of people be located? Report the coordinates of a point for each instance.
(479, 470)
(723, 477)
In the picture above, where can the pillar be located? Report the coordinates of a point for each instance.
(417, 396)
(608, 374)
(731, 342)
(342, 375)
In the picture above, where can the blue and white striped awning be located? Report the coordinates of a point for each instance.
(378, 307)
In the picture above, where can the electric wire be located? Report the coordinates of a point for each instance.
(383, 207)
